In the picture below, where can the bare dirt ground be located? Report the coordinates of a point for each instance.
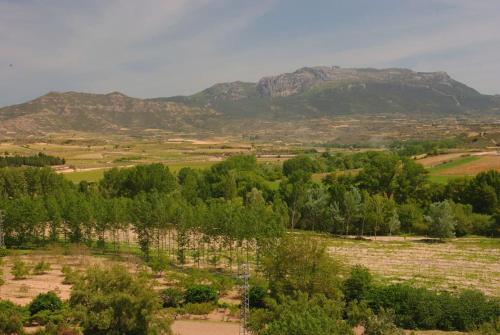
(458, 264)
(486, 162)
(190, 327)
(24, 290)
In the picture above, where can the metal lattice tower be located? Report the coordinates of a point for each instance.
(2, 242)
(244, 276)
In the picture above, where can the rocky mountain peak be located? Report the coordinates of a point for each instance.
(301, 80)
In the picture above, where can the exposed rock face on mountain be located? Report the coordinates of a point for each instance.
(288, 84)
(334, 91)
(310, 92)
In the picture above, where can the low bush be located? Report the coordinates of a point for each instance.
(490, 328)
(159, 264)
(172, 297)
(317, 315)
(222, 283)
(358, 284)
(257, 295)
(420, 308)
(20, 270)
(201, 293)
(45, 302)
(358, 313)
(114, 301)
(11, 318)
(382, 324)
(71, 276)
(41, 267)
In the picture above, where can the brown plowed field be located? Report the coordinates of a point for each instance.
(431, 161)
(486, 162)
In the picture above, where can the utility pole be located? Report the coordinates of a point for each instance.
(2, 241)
(244, 276)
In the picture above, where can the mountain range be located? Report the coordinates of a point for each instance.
(306, 94)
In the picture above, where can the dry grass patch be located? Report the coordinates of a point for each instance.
(459, 264)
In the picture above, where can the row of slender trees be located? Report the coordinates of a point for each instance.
(144, 205)
(239, 202)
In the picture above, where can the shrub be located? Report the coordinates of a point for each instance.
(11, 318)
(358, 313)
(70, 276)
(45, 302)
(358, 284)
(257, 295)
(20, 270)
(490, 328)
(304, 316)
(473, 308)
(425, 309)
(201, 293)
(41, 268)
(302, 264)
(382, 324)
(113, 301)
(222, 283)
(172, 297)
(159, 264)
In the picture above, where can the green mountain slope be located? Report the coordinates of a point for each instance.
(306, 94)
(102, 113)
(332, 91)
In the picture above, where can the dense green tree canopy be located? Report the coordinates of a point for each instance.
(112, 301)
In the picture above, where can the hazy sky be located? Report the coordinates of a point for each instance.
(152, 48)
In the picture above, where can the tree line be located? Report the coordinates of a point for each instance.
(239, 201)
(38, 160)
(164, 213)
(387, 194)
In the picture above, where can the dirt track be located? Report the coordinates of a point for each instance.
(190, 327)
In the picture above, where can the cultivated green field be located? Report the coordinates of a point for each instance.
(442, 179)
(453, 164)
(96, 175)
